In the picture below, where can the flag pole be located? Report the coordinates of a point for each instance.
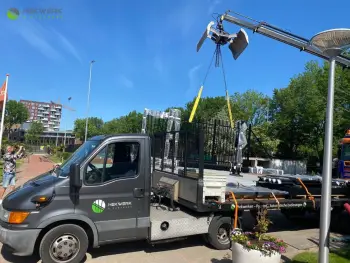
(3, 113)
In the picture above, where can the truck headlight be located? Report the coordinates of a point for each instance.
(13, 217)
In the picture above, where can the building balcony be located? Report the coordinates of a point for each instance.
(52, 110)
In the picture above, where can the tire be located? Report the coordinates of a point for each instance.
(60, 240)
(219, 233)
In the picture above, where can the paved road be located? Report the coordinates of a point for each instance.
(192, 250)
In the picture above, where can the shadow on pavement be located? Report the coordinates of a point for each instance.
(224, 260)
(280, 223)
(285, 259)
(122, 248)
(15, 259)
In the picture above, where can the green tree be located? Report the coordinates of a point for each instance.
(34, 132)
(130, 123)
(207, 109)
(298, 111)
(251, 106)
(15, 113)
(95, 127)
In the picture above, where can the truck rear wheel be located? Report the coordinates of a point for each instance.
(219, 233)
(64, 243)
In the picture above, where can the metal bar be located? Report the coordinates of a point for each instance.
(284, 37)
(2, 128)
(201, 154)
(153, 143)
(88, 102)
(173, 154)
(249, 142)
(185, 153)
(214, 139)
(327, 171)
(162, 151)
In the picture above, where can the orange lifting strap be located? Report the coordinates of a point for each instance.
(278, 203)
(307, 192)
(236, 210)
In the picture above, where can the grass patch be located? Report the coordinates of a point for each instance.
(337, 256)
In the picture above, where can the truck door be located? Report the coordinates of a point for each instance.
(114, 194)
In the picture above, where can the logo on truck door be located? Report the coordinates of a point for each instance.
(98, 206)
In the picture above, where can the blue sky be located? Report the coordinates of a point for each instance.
(145, 51)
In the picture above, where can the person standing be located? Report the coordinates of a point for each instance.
(9, 174)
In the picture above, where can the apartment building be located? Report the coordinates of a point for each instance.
(49, 114)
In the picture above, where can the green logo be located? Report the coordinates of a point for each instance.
(98, 206)
(13, 13)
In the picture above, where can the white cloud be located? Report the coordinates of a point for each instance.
(126, 82)
(47, 41)
(184, 18)
(68, 45)
(36, 36)
(193, 80)
(213, 5)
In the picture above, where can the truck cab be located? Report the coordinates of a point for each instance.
(344, 157)
(99, 195)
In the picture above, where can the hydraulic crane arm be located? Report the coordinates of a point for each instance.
(301, 43)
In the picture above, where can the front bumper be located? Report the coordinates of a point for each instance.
(20, 242)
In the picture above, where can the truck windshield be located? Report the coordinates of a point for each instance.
(345, 153)
(77, 157)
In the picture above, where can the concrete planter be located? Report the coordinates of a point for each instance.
(242, 255)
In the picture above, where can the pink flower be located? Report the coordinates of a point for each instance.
(248, 243)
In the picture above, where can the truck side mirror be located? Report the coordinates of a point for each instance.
(74, 176)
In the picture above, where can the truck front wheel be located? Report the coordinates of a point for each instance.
(64, 243)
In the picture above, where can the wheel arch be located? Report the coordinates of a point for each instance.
(82, 221)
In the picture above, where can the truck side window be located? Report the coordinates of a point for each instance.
(115, 161)
(94, 170)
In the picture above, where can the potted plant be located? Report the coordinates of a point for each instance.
(257, 246)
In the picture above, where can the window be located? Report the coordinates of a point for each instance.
(115, 161)
(345, 154)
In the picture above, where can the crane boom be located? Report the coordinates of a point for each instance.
(283, 36)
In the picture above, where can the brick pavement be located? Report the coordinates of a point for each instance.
(31, 168)
(34, 167)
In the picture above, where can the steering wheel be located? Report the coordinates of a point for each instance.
(94, 176)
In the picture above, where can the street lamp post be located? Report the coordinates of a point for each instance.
(332, 43)
(65, 130)
(88, 102)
